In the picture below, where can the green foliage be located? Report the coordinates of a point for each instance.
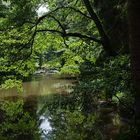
(108, 77)
(72, 125)
(10, 83)
(113, 15)
(28, 42)
(14, 54)
(129, 134)
(20, 12)
(106, 80)
(15, 123)
(16, 42)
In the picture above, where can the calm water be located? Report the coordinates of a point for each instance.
(47, 110)
(36, 99)
(40, 86)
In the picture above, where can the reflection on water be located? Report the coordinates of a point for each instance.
(34, 104)
(48, 111)
(45, 125)
(41, 86)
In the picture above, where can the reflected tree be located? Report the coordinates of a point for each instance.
(17, 123)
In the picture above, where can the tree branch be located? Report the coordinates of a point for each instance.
(70, 34)
(125, 105)
(83, 36)
(62, 7)
(78, 11)
(105, 39)
(59, 23)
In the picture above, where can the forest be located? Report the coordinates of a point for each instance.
(69, 70)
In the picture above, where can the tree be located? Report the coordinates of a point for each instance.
(3, 9)
(15, 41)
(134, 25)
(63, 18)
(86, 13)
(70, 29)
(113, 15)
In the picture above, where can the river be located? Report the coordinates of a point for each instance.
(48, 110)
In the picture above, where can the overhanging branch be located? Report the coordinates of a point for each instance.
(71, 35)
(105, 39)
(84, 36)
(59, 8)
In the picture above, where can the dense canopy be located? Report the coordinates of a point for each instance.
(87, 40)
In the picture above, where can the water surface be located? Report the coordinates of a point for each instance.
(49, 110)
(34, 100)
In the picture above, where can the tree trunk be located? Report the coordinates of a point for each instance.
(105, 39)
(134, 32)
